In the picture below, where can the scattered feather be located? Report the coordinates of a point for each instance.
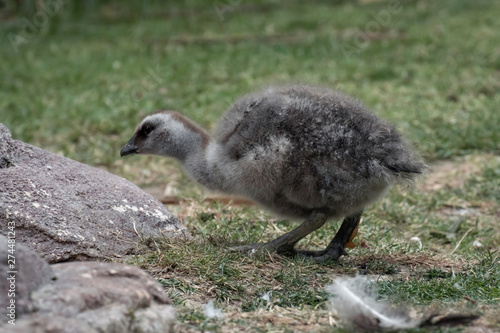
(266, 296)
(417, 241)
(448, 320)
(353, 300)
(211, 311)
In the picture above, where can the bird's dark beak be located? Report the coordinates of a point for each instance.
(129, 148)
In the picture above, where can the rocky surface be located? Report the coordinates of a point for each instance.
(66, 210)
(83, 297)
(29, 272)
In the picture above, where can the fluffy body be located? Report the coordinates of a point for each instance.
(297, 150)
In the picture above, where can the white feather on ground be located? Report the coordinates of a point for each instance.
(355, 302)
(211, 311)
(266, 296)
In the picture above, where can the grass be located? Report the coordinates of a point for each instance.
(80, 83)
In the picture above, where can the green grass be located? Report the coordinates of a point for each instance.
(80, 84)
(480, 282)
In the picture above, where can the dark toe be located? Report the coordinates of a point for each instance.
(333, 252)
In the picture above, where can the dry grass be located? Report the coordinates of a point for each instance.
(193, 271)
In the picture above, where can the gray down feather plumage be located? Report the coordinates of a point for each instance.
(311, 147)
(295, 149)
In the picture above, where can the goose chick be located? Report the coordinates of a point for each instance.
(301, 151)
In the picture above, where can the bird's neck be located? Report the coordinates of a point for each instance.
(202, 157)
(206, 166)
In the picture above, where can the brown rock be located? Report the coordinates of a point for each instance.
(83, 297)
(66, 210)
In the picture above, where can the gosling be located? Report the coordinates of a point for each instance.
(301, 151)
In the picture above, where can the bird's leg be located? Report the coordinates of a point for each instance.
(284, 244)
(336, 248)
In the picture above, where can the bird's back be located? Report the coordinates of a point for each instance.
(307, 147)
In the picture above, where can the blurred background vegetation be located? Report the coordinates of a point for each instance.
(76, 76)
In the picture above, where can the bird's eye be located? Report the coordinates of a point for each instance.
(147, 129)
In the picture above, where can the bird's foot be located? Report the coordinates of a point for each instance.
(332, 252)
(263, 248)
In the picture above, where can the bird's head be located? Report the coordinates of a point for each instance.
(165, 133)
